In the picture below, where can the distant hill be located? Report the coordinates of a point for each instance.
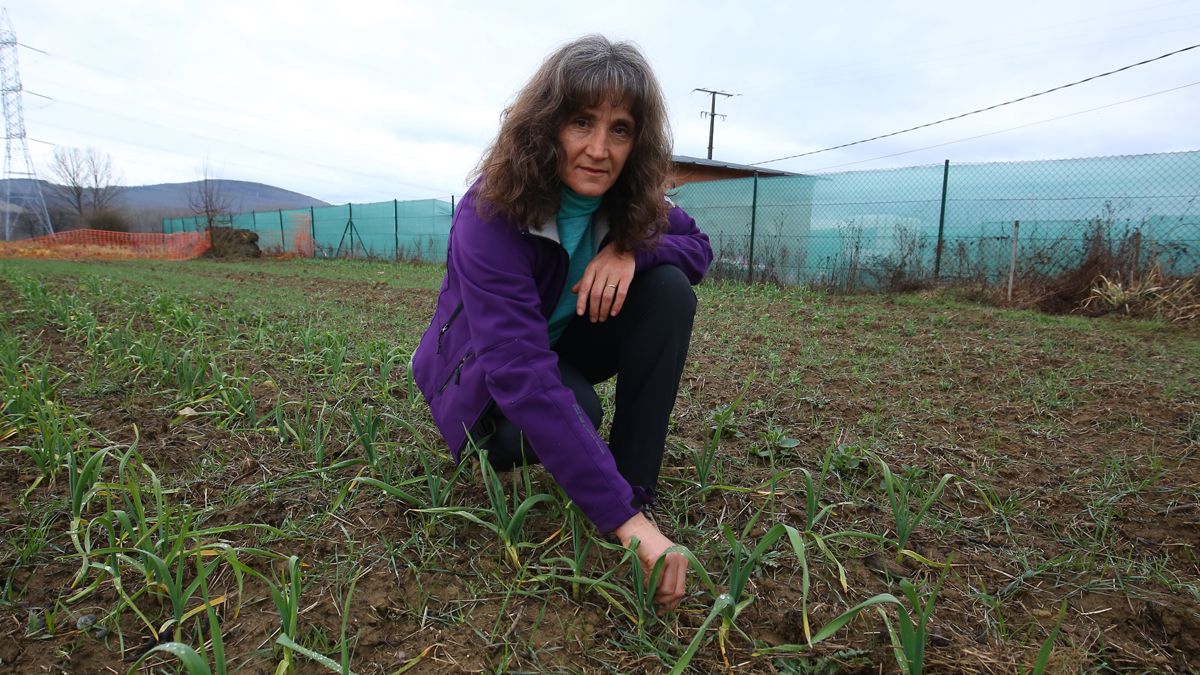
(242, 196)
(173, 197)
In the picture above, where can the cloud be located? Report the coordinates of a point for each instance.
(374, 101)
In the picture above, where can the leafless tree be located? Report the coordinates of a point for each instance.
(86, 184)
(208, 200)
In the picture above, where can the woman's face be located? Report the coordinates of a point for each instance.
(595, 142)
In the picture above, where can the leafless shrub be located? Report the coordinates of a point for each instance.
(842, 270)
(209, 202)
(85, 188)
(902, 270)
(111, 220)
(419, 251)
(770, 258)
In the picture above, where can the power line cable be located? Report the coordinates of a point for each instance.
(234, 163)
(981, 110)
(187, 97)
(194, 103)
(1020, 43)
(1001, 131)
(205, 102)
(235, 144)
(969, 52)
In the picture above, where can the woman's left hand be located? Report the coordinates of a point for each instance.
(604, 284)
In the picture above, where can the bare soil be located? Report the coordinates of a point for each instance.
(1073, 432)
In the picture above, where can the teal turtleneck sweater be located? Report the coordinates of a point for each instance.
(575, 232)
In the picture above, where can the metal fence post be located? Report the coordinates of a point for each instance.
(282, 243)
(396, 228)
(1012, 265)
(753, 222)
(312, 229)
(937, 256)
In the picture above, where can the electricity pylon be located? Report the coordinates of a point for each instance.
(17, 164)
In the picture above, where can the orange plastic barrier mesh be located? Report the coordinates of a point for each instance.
(100, 244)
(303, 243)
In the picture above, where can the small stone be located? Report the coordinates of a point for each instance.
(85, 622)
(100, 632)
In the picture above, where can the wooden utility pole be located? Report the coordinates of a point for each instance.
(712, 114)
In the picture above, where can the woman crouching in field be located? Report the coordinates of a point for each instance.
(567, 266)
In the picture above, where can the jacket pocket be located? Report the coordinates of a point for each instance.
(445, 327)
(455, 375)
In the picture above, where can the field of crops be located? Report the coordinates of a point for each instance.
(219, 467)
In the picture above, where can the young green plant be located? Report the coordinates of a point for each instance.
(504, 524)
(705, 459)
(900, 496)
(912, 632)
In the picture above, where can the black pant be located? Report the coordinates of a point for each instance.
(645, 347)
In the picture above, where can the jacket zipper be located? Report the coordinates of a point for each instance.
(566, 262)
(456, 376)
(446, 327)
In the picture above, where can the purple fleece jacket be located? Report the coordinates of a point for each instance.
(488, 342)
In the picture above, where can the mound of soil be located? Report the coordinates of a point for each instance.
(1068, 292)
(232, 243)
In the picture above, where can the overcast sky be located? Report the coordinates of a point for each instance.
(379, 100)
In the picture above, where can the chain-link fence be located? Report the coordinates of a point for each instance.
(898, 227)
(860, 229)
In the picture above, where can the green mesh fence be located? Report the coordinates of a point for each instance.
(887, 228)
(882, 229)
(395, 230)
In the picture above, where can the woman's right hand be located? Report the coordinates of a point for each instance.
(604, 284)
(652, 545)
